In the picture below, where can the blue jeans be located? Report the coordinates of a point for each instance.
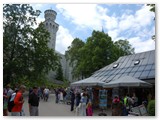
(125, 112)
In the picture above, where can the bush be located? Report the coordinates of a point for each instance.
(151, 108)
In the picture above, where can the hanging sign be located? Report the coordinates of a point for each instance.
(102, 98)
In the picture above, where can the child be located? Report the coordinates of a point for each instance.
(89, 109)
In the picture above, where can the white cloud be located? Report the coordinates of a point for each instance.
(110, 22)
(83, 15)
(64, 39)
(143, 16)
(137, 21)
(119, 38)
(146, 33)
(37, 6)
(141, 46)
(114, 33)
(136, 25)
(127, 21)
(94, 16)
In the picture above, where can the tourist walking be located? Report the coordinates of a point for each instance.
(72, 99)
(89, 109)
(39, 93)
(128, 102)
(61, 96)
(18, 101)
(46, 94)
(56, 93)
(34, 102)
(64, 96)
(135, 100)
(7, 92)
(83, 103)
(78, 98)
(117, 106)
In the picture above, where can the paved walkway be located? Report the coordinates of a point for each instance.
(50, 108)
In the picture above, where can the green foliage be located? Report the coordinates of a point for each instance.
(124, 48)
(98, 51)
(74, 55)
(24, 47)
(151, 108)
(152, 9)
(59, 75)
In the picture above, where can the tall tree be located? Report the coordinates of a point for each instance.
(25, 49)
(59, 73)
(74, 55)
(73, 52)
(124, 48)
(98, 51)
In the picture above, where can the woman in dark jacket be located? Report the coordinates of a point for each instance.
(78, 98)
(72, 99)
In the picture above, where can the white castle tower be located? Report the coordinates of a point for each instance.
(51, 26)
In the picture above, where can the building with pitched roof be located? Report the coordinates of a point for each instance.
(140, 66)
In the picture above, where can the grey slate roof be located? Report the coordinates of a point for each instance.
(144, 70)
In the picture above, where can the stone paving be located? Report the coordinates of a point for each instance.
(50, 108)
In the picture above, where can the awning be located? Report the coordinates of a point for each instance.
(91, 81)
(127, 81)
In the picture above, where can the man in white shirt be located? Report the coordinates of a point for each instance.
(46, 94)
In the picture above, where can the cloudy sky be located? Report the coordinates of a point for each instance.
(133, 22)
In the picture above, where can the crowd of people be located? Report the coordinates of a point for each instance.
(122, 105)
(13, 100)
(80, 101)
(83, 103)
(16, 95)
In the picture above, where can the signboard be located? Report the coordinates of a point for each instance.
(136, 110)
(102, 99)
(140, 110)
(143, 110)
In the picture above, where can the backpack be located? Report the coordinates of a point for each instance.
(11, 102)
